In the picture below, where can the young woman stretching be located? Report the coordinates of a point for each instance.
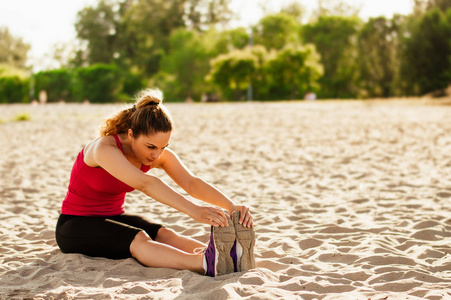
(93, 222)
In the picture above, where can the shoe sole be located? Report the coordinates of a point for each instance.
(246, 237)
(224, 238)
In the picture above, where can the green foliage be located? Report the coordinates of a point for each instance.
(335, 40)
(147, 25)
(276, 31)
(183, 69)
(13, 51)
(379, 60)
(427, 53)
(22, 117)
(261, 79)
(233, 72)
(294, 9)
(175, 45)
(443, 5)
(188, 62)
(98, 26)
(216, 42)
(99, 83)
(284, 74)
(57, 84)
(237, 38)
(133, 82)
(135, 34)
(201, 14)
(7, 69)
(14, 89)
(293, 71)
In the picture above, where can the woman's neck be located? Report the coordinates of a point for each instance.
(126, 144)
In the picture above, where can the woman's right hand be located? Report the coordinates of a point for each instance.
(210, 215)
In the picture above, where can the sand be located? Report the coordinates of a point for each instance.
(352, 200)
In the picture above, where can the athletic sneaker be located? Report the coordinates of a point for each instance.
(218, 256)
(244, 245)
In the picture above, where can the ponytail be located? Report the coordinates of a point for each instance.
(147, 116)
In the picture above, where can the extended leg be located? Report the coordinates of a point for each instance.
(169, 237)
(154, 254)
(159, 233)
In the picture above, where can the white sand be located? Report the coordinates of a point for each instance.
(351, 201)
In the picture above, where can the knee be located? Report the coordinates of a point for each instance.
(164, 234)
(140, 237)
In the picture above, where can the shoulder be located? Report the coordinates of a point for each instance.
(108, 140)
(100, 144)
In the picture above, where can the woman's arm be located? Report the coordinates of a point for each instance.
(110, 158)
(199, 188)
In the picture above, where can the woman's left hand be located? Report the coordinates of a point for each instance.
(246, 218)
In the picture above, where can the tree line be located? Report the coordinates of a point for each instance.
(183, 48)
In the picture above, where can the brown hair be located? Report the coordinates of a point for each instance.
(147, 116)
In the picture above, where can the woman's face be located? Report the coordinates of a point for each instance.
(148, 148)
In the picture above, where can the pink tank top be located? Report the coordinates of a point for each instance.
(94, 191)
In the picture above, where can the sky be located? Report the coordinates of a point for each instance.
(44, 23)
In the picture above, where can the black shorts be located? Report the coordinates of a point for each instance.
(108, 237)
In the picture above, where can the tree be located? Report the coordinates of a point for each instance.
(237, 38)
(187, 62)
(276, 31)
(294, 9)
(261, 80)
(421, 6)
(284, 74)
(184, 67)
(135, 33)
(443, 5)
(13, 51)
(233, 72)
(293, 71)
(98, 26)
(202, 14)
(128, 33)
(220, 42)
(335, 40)
(427, 53)
(378, 44)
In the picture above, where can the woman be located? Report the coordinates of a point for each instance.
(93, 222)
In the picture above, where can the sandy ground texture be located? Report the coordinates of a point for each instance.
(352, 200)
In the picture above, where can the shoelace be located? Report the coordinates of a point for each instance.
(200, 250)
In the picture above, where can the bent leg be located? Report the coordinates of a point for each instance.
(154, 254)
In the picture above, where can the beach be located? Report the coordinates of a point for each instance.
(351, 200)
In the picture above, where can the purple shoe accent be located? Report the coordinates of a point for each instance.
(234, 257)
(210, 256)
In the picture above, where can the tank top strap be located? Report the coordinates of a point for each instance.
(118, 142)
